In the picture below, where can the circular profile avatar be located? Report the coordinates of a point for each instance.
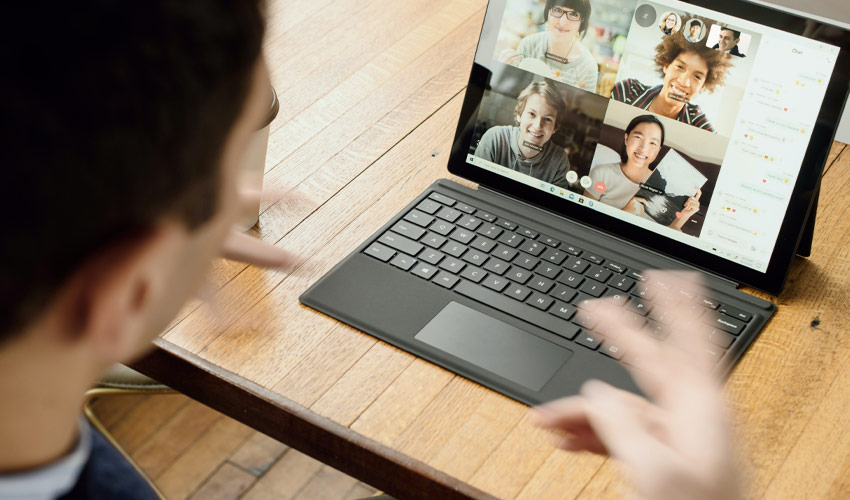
(526, 147)
(616, 184)
(670, 23)
(688, 70)
(557, 52)
(695, 30)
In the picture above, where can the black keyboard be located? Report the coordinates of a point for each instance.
(540, 279)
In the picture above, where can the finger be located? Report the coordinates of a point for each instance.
(619, 428)
(241, 247)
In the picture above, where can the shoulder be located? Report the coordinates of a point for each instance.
(698, 118)
(606, 169)
(628, 89)
(533, 42)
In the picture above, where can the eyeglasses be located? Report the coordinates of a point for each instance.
(559, 12)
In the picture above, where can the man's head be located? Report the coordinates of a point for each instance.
(539, 108)
(728, 39)
(124, 124)
(694, 30)
(689, 69)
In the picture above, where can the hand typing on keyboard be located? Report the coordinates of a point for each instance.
(678, 443)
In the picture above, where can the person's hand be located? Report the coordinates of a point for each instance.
(244, 248)
(636, 206)
(678, 443)
(510, 56)
(692, 205)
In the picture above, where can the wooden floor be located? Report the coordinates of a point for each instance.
(191, 451)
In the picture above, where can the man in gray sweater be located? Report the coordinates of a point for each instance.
(526, 147)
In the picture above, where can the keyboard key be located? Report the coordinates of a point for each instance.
(571, 249)
(419, 218)
(452, 265)
(511, 239)
(551, 271)
(518, 274)
(379, 251)
(400, 243)
(404, 262)
(598, 273)
(518, 310)
(505, 252)
(528, 233)
(463, 207)
(432, 257)
(554, 256)
(720, 338)
(469, 222)
(497, 266)
(517, 292)
(643, 291)
(483, 243)
(462, 235)
(449, 214)
(454, 249)
(490, 231)
(563, 310)
(433, 240)
(429, 206)
(496, 283)
(475, 257)
(708, 302)
(571, 279)
(526, 261)
(445, 279)
(584, 301)
(657, 330)
(506, 224)
(589, 340)
(442, 228)
(563, 293)
(617, 297)
(541, 284)
(473, 274)
(584, 319)
(593, 258)
(725, 323)
(548, 240)
(540, 301)
(424, 270)
(593, 289)
(481, 214)
(636, 275)
(641, 307)
(445, 200)
(735, 312)
(408, 229)
(533, 247)
(612, 350)
(577, 265)
(621, 283)
(617, 268)
(713, 353)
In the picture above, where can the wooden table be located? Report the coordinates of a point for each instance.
(370, 92)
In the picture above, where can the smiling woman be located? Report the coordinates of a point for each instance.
(688, 70)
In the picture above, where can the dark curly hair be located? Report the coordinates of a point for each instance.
(671, 46)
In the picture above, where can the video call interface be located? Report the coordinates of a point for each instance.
(683, 121)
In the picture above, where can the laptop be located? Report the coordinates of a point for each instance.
(606, 138)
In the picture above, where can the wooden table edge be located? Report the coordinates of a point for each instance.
(298, 427)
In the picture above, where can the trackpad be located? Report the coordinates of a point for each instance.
(494, 345)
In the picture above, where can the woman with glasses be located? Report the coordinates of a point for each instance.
(558, 47)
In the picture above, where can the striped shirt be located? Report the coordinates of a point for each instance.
(631, 91)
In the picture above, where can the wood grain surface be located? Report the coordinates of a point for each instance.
(370, 95)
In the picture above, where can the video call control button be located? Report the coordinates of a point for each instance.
(572, 176)
(445, 200)
(600, 187)
(586, 182)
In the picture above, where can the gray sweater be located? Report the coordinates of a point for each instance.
(500, 145)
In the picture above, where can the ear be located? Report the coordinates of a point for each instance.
(109, 299)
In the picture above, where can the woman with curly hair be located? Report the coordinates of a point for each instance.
(688, 70)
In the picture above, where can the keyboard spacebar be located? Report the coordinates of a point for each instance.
(518, 310)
